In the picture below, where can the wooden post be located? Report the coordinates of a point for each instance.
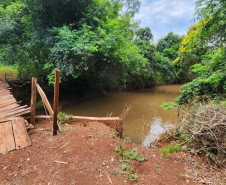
(33, 100)
(55, 101)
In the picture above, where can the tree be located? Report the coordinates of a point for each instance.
(85, 39)
(144, 35)
(169, 45)
(213, 13)
(204, 50)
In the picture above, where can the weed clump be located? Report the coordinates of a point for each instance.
(171, 149)
(127, 156)
(64, 118)
(129, 172)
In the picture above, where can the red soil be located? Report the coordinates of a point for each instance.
(90, 153)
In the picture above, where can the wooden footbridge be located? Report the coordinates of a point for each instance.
(13, 133)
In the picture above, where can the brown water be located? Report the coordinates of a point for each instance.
(147, 119)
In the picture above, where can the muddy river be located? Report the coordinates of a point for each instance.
(145, 121)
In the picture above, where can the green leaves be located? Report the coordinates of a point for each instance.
(96, 50)
(171, 149)
(210, 79)
(169, 105)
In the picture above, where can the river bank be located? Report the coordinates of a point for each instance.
(145, 121)
(87, 156)
(88, 151)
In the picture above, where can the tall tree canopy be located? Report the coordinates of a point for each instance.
(169, 45)
(97, 42)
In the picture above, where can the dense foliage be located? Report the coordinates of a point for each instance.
(203, 49)
(93, 42)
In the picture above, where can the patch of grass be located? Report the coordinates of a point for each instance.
(127, 140)
(7, 69)
(63, 118)
(129, 172)
(183, 175)
(133, 154)
(119, 151)
(169, 105)
(128, 155)
(171, 149)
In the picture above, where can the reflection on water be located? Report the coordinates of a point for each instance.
(147, 119)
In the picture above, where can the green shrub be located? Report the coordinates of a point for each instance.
(63, 118)
(171, 149)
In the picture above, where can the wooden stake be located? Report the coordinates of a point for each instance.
(33, 101)
(55, 101)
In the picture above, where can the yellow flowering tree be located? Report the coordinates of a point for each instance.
(191, 47)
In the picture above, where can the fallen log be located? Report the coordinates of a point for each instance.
(113, 122)
(85, 118)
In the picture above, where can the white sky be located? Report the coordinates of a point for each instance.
(163, 16)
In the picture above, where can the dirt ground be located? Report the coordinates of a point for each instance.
(88, 151)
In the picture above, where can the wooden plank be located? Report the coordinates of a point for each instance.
(4, 93)
(14, 113)
(21, 107)
(17, 111)
(45, 100)
(6, 97)
(6, 119)
(6, 137)
(9, 107)
(2, 146)
(33, 101)
(4, 86)
(26, 111)
(5, 106)
(11, 112)
(55, 101)
(7, 102)
(22, 139)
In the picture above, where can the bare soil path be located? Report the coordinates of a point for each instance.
(88, 155)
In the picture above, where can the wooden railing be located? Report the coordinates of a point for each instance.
(53, 112)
